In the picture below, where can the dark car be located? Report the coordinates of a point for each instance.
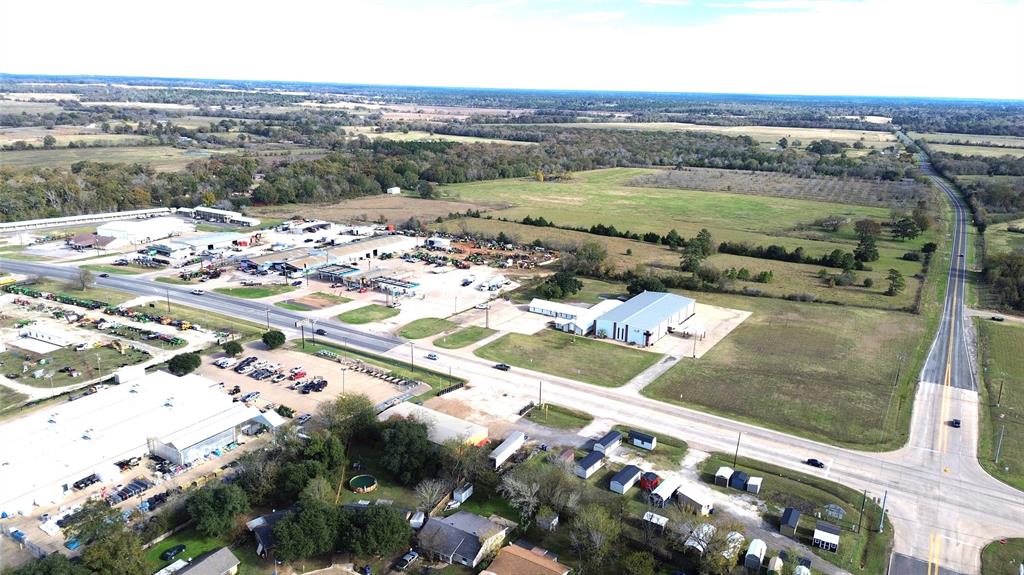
(502, 366)
(997, 318)
(955, 423)
(321, 332)
(815, 463)
(172, 552)
(104, 275)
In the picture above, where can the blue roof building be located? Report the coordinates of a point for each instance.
(645, 318)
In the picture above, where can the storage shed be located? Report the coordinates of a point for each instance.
(754, 485)
(394, 190)
(507, 448)
(656, 520)
(696, 499)
(755, 555)
(739, 480)
(699, 538)
(589, 464)
(624, 480)
(662, 494)
(790, 521)
(439, 243)
(775, 565)
(462, 493)
(723, 475)
(643, 440)
(802, 570)
(826, 536)
(609, 443)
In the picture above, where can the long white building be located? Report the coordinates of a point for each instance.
(182, 419)
(144, 231)
(645, 318)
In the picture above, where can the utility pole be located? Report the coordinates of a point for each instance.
(736, 455)
(540, 392)
(487, 316)
(999, 445)
(999, 400)
(268, 319)
(863, 503)
(302, 331)
(412, 360)
(343, 370)
(881, 518)
(168, 292)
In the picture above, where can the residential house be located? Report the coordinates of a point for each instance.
(462, 538)
(517, 560)
(219, 562)
(263, 529)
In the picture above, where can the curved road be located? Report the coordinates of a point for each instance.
(943, 505)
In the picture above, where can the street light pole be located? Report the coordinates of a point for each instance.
(268, 319)
(412, 361)
(343, 370)
(168, 292)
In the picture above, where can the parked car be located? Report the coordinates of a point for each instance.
(406, 560)
(815, 463)
(172, 552)
(320, 331)
(297, 283)
(303, 418)
(235, 390)
(197, 292)
(482, 306)
(955, 423)
(502, 366)
(997, 318)
(432, 356)
(278, 378)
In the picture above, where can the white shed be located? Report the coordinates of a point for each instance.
(507, 448)
(643, 440)
(624, 480)
(589, 464)
(775, 565)
(439, 243)
(696, 499)
(755, 555)
(723, 475)
(394, 191)
(662, 494)
(754, 485)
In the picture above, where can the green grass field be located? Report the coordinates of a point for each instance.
(418, 136)
(561, 354)
(977, 150)
(209, 320)
(974, 139)
(367, 314)
(815, 370)
(1002, 359)
(10, 398)
(117, 270)
(551, 415)
(255, 292)
(425, 327)
(161, 158)
(92, 363)
(860, 552)
(195, 545)
(173, 280)
(998, 239)
(463, 337)
(667, 454)
(1002, 559)
(113, 297)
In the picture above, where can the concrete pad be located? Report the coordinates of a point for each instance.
(33, 345)
(718, 323)
(506, 317)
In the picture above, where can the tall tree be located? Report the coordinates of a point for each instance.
(592, 534)
(117, 553)
(896, 282)
(215, 509)
(406, 452)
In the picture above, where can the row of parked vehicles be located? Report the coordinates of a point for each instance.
(134, 488)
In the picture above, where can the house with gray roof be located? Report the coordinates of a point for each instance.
(463, 538)
(219, 562)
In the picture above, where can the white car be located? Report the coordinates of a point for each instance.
(197, 292)
(483, 306)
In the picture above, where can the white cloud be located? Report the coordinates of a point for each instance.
(870, 47)
(665, 2)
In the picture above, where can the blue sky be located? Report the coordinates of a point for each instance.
(936, 48)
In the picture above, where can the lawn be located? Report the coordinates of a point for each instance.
(173, 280)
(464, 337)
(112, 297)
(195, 545)
(210, 320)
(1000, 559)
(92, 363)
(594, 291)
(551, 415)
(10, 398)
(117, 270)
(861, 552)
(435, 379)
(255, 292)
(998, 238)
(815, 370)
(290, 305)
(425, 327)
(1002, 360)
(562, 354)
(667, 454)
(367, 314)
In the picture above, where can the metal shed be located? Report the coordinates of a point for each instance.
(790, 521)
(739, 480)
(507, 448)
(723, 475)
(609, 443)
(624, 480)
(643, 440)
(754, 485)
(589, 464)
(755, 555)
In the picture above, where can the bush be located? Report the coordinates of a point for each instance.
(273, 339)
(868, 282)
(184, 363)
(232, 348)
(912, 256)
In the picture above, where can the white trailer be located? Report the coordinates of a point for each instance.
(507, 448)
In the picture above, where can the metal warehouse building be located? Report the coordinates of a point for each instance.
(645, 318)
(142, 231)
(182, 419)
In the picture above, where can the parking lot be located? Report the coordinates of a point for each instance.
(279, 393)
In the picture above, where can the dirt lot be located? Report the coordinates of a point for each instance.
(378, 391)
(395, 209)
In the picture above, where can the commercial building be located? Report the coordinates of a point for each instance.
(313, 260)
(517, 560)
(572, 318)
(183, 418)
(508, 448)
(645, 318)
(50, 335)
(624, 480)
(462, 538)
(92, 241)
(82, 219)
(223, 216)
(214, 241)
(441, 427)
(826, 536)
(145, 231)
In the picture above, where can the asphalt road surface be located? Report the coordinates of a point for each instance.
(943, 505)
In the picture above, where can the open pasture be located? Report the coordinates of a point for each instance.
(766, 135)
(64, 135)
(36, 96)
(818, 188)
(28, 107)
(420, 136)
(999, 239)
(970, 139)
(991, 151)
(808, 369)
(394, 209)
(162, 158)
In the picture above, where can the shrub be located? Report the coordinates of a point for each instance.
(868, 282)
(232, 348)
(273, 339)
(184, 363)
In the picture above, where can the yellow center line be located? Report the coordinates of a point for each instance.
(946, 385)
(938, 553)
(931, 552)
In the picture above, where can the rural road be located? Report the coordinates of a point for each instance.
(943, 505)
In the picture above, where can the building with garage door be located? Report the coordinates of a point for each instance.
(645, 318)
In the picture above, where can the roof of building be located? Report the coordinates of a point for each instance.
(512, 443)
(216, 211)
(646, 309)
(460, 533)
(216, 562)
(627, 474)
(302, 255)
(724, 470)
(656, 519)
(154, 227)
(827, 528)
(757, 547)
(557, 307)
(791, 517)
(115, 423)
(668, 487)
(214, 238)
(645, 437)
(440, 426)
(740, 476)
(263, 528)
(91, 239)
(609, 438)
(516, 560)
(591, 459)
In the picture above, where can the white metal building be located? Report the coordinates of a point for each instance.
(696, 499)
(213, 241)
(184, 417)
(662, 494)
(625, 479)
(645, 318)
(439, 243)
(394, 190)
(512, 443)
(144, 231)
(571, 318)
(52, 336)
(440, 426)
(82, 219)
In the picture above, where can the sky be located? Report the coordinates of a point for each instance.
(930, 48)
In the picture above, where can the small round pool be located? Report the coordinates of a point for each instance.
(363, 483)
